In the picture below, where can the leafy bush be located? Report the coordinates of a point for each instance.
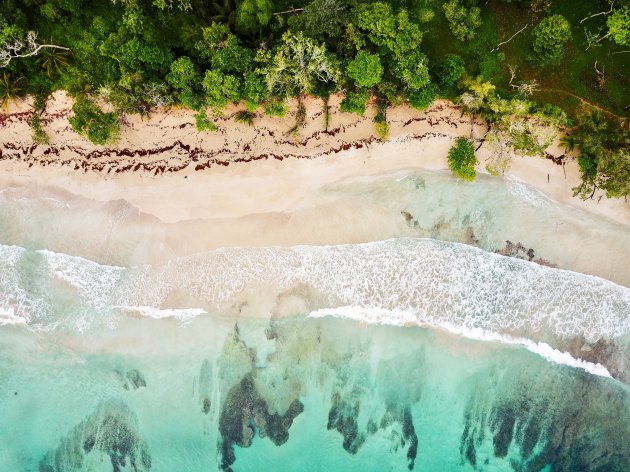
(39, 134)
(422, 98)
(245, 116)
(275, 108)
(202, 123)
(354, 102)
(462, 160)
(382, 129)
(461, 20)
(90, 121)
(550, 35)
(365, 69)
(450, 70)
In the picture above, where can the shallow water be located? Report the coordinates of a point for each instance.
(413, 353)
(299, 394)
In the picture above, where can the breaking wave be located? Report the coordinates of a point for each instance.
(432, 282)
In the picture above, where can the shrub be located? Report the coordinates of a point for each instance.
(202, 123)
(275, 108)
(245, 116)
(39, 134)
(422, 98)
(365, 69)
(354, 102)
(90, 121)
(462, 160)
(450, 70)
(382, 129)
(549, 38)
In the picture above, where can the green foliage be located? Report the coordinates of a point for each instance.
(619, 26)
(550, 35)
(297, 64)
(462, 21)
(253, 15)
(365, 69)
(39, 134)
(223, 49)
(10, 88)
(275, 108)
(202, 123)
(423, 97)
(462, 160)
(354, 102)
(326, 19)
(604, 157)
(381, 127)
(183, 74)
(90, 121)
(413, 69)
(221, 89)
(396, 32)
(245, 117)
(450, 70)
(254, 90)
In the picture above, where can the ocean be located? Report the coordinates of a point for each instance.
(442, 349)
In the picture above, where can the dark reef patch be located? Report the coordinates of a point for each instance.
(342, 417)
(584, 426)
(131, 379)
(111, 429)
(243, 413)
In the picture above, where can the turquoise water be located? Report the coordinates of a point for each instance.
(414, 353)
(299, 394)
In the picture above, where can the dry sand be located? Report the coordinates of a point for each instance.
(165, 168)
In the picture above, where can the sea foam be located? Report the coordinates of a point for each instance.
(432, 282)
(405, 318)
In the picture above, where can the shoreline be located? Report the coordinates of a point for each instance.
(165, 168)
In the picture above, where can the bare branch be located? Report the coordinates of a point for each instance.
(511, 38)
(286, 12)
(23, 48)
(512, 73)
(612, 4)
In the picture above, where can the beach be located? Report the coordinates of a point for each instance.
(349, 290)
(165, 168)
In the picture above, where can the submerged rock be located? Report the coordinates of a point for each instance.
(113, 430)
(244, 412)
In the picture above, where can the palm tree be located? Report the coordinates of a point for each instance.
(9, 88)
(53, 60)
(569, 142)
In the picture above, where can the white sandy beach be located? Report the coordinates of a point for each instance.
(282, 170)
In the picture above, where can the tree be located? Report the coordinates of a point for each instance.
(297, 64)
(423, 97)
(354, 102)
(365, 69)
(413, 70)
(604, 157)
(462, 160)
(461, 20)
(223, 49)
(183, 74)
(15, 44)
(550, 35)
(90, 121)
(221, 89)
(253, 15)
(397, 32)
(326, 19)
(450, 70)
(619, 26)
